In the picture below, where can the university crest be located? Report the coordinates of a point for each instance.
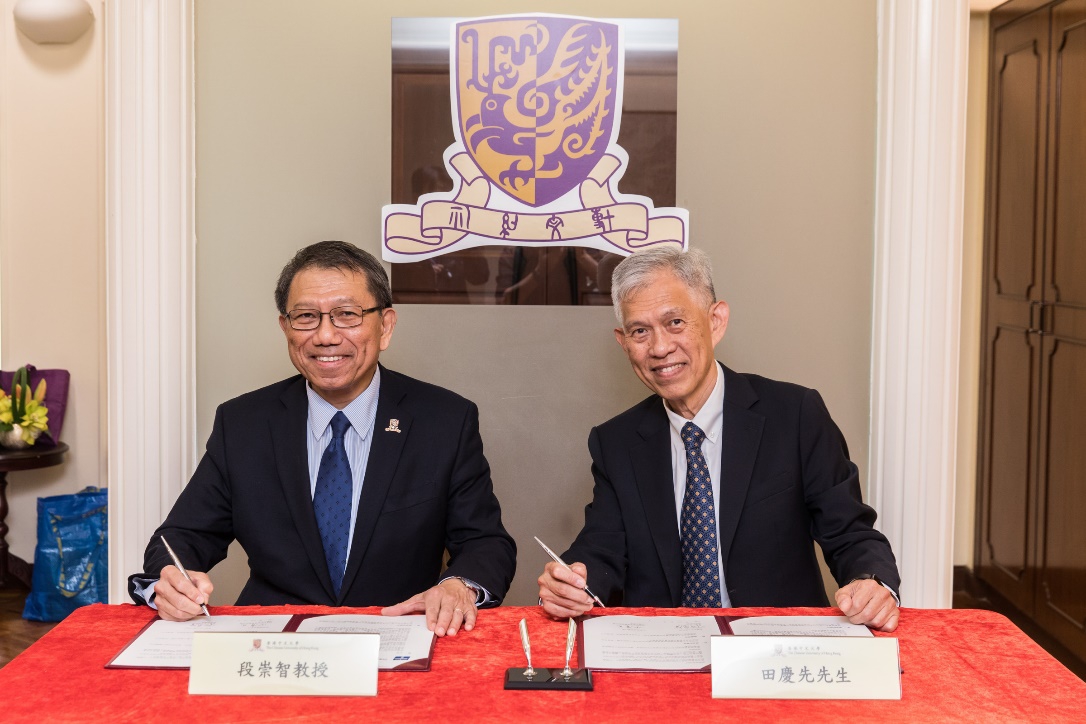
(536, 108)
(536, 101)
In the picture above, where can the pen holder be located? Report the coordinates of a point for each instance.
(581, 680)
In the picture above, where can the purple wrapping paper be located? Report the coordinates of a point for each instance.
(56, 398)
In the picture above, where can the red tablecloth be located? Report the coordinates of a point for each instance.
(960, 665)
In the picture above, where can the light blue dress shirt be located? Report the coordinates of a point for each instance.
(361, 412)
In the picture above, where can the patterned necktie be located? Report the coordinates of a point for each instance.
(697, 527)
(332, 501)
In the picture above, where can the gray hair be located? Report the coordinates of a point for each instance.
(335, 255)
(692, 268)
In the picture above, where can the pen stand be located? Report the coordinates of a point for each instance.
(580, 680)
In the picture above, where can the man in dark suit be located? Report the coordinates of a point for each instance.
(346, 484)
(710, 492)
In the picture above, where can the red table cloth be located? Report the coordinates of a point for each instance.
(959, 665)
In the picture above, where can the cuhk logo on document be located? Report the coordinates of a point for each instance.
(256, 645)
(536, 106)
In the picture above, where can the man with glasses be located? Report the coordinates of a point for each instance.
(346, 484)
(711, 492)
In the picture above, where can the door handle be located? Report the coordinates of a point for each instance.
(1034, 317)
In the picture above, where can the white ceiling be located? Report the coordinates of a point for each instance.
(981, 6)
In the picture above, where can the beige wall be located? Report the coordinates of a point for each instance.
(51, 246)
(965, 504)
(775, 163)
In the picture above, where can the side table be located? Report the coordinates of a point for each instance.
(10, 461)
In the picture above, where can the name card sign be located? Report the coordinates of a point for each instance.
(284, 664)
(804, 667)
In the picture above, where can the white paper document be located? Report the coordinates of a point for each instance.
(403, 638)
(682, 643)
(405, 641)
(797, 626)
(168, 644)
(653, 643)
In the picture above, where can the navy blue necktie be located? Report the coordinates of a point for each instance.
(697, 527)
(332, 501)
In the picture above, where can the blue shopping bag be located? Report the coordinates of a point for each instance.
(71, 562)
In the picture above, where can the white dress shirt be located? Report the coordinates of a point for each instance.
(710, 419)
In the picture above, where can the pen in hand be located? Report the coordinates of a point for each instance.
(559, 561)
(177, 562)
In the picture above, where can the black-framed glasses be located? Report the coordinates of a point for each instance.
(343, 317)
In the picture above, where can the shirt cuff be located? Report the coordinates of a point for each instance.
(145, 589)
(892, 593)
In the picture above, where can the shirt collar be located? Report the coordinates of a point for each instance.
(710, 417)
(361, 411)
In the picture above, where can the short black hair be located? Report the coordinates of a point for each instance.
(335, 255)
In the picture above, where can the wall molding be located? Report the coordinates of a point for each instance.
(150, 263)
(917, 287)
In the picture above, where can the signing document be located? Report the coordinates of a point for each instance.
(648, 643)
(796, 626)
(168, 644)
(682, 643)
(406, 643)
(404, 639)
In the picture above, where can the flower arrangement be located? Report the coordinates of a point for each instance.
(22, 417)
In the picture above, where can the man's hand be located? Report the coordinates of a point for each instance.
(179, 600)
(449, 606)
(870, 603)
(562, 590)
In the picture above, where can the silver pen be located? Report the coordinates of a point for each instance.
(529, 672)
(571, 638)
(177, 562)
(559, 561)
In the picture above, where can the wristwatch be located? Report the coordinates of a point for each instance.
(471, 587)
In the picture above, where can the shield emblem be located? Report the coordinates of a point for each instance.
(536, 100)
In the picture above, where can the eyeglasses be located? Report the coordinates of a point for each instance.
(307, 319)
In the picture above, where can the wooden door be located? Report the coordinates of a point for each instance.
(1061, 572)
(1014, 264)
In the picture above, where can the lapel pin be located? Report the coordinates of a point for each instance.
(393, 425)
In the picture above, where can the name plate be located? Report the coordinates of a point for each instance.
(284, 664)
(804, 667)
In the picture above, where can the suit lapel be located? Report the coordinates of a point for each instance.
(651, 459)
(742, 434)
(288, 430)
(385, 449)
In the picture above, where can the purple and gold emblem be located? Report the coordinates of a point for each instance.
(536, 108)
(536, 100)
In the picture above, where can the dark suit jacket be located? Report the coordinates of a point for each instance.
(427, 489)
(785, 479)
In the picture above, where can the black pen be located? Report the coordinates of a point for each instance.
(177, 562)
(559, 561)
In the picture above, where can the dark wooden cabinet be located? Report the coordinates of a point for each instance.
(1031, 513)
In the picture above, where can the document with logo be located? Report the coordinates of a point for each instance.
(682, 644)
(406, 643)
(168, 644)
